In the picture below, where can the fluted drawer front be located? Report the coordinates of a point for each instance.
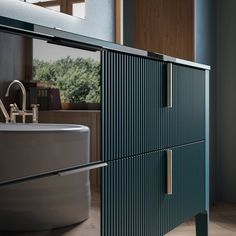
(132, 96)
(135, 116)
(187, 116)
(134, 199)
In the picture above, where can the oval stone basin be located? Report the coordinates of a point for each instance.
(43, 203)
(31, 149)
(42, 127)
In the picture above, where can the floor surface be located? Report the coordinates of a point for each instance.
(90, 227)
(223, 223)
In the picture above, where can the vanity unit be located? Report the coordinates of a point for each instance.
(155, 139)
(155, 136)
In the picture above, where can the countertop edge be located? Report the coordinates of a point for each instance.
(178, 60)
(88, 42)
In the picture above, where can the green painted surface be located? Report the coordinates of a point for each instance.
(202, 224)
(137, 127)
(134, 199)
(135, 117)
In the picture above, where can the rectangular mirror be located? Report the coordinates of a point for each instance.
(75, 8)
(57, 201)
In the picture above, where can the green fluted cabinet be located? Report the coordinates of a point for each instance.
(135, 198)
(157, 153)
(136, 118)
(155, 135)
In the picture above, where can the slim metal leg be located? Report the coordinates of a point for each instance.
(202, 224)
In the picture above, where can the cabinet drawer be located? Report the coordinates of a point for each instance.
(187, 114)
(135, 115)
(134, 192)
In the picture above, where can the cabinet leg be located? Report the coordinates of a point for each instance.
(202, 224)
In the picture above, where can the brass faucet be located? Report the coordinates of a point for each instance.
(22, 87)
(15, 111)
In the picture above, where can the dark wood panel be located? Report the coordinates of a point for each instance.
(165, 26)
(11, 62)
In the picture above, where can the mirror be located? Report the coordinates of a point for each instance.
(73, 199)
(75, 8)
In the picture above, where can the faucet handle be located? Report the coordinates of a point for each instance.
(35, 110)
(35, 105)
(15, 106)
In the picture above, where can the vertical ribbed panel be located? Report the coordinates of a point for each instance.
(187, 117)
(134, 199)
(135, 117)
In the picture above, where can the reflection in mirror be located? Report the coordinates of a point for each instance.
(74, 72)
(78, 9)
(75, 8)
(54, 8)
(54, 74)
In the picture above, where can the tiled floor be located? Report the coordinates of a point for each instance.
(223, 223)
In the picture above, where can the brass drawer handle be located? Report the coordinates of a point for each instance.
(169, 189)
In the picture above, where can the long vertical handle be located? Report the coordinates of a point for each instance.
(169, 85)
(169, 189)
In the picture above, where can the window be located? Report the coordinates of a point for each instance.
(72, 7)
(36, 1)
(79, 10)
(55, 8)
(75, 73)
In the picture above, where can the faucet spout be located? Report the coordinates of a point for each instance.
(22, 87)
(4, 111)
(15, 111)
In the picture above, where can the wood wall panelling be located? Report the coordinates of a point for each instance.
(12, 63)
(165, 26)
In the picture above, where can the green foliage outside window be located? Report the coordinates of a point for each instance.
(78, 79)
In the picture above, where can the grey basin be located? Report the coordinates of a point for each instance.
(34, 149)
(45, 202)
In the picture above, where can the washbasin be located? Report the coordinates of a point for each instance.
(30, 149)
(42, 203)
(42, 127)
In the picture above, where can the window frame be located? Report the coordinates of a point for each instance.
(66, 6)
(70, 5)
